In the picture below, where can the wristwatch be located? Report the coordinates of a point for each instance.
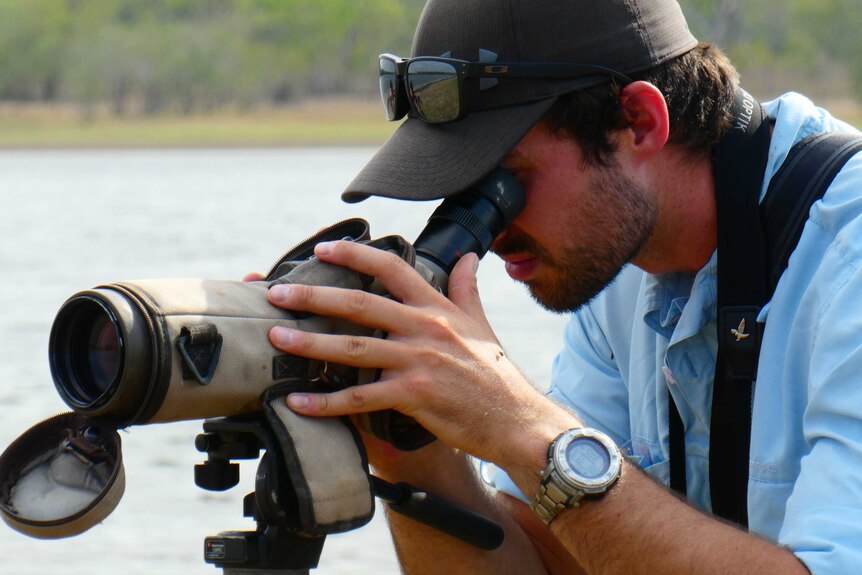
(582, 462)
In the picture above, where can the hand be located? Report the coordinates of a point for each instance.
(442, 363)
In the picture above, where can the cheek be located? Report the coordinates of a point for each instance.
(526, 220)
(549, 200)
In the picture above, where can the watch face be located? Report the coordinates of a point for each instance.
(588, 458)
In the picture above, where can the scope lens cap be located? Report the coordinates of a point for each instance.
(61, 477)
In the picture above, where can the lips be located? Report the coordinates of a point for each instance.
(517, 253)
(520, 267)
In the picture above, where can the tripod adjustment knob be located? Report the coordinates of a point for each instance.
(216, 475)
(206, 442)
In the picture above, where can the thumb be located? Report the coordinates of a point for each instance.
(463, 287)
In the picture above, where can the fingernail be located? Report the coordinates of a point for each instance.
(298, 401)
(283, 335)
(279, 293)
(323, 248)
(475, 263)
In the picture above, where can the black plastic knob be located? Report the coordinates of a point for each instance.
(218, 475)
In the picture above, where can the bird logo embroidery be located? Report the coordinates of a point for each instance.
(739, 332)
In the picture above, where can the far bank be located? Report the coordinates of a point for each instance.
(329, 122)
(333, 122)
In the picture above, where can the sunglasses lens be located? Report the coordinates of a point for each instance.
(391, 90)
(433, 90)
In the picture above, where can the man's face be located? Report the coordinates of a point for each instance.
(580, 226)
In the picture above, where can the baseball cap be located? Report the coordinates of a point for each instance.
(422, 161)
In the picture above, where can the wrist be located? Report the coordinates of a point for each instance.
(419, 468)
(582, 464)
(528, 453)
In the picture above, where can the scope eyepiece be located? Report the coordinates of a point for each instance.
(469, 222)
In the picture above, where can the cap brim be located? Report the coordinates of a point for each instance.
(423, 161)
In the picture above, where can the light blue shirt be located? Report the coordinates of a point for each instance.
(805, 486)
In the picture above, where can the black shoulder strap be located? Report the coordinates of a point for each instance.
(740, 163)
(754, 246)
(809, 169)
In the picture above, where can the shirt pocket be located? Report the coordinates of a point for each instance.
(659, 471)
(647, 454)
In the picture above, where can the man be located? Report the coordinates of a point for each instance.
(615, 158)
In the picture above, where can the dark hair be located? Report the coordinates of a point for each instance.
(698, 87)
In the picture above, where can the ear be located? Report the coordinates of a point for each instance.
(645, 110)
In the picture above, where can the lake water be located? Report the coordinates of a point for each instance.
(70, 220)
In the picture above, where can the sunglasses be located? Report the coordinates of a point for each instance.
(433, 88)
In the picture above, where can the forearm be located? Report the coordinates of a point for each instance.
(423, 550)
(640, 527)
(443, 366)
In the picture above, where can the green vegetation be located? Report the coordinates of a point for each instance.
(241, 72)
(811, 46)
(191, 56)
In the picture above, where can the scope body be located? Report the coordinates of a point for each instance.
(173, 349)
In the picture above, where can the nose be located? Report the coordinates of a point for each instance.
(500, 237)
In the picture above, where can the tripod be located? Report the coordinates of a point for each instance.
(276, 546)
(273, 548)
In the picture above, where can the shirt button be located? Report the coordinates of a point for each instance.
(668, 375)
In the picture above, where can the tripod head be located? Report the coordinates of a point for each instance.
(274, 548)
(277, 546)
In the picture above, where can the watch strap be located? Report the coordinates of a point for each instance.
(551, 500)
(556, 493)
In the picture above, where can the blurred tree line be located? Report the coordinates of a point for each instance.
(188, 56)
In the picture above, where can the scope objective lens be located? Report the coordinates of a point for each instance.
(86, 351)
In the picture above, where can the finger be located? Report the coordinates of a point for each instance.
(253, 277)
(356, 305)
(399, 277)
(356, 351)
(355, 399)
(463, 287)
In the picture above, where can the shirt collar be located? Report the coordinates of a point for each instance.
(679, 304)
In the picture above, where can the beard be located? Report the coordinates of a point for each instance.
(616, 217)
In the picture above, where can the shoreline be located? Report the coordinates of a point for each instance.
(323, 123)
(320, 123)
